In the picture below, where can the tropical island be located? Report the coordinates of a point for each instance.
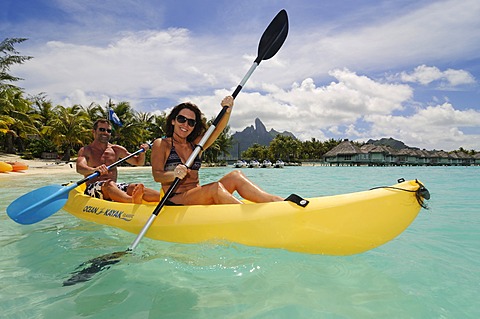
(33, 127)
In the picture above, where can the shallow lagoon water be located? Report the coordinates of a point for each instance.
(429, 271)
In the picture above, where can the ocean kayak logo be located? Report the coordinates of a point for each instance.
(120, 214)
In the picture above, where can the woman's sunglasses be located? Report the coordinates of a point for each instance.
(183, 119)
(102, 129)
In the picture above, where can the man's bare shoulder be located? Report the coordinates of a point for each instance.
(116, 147)
(119, 150)
(85, 150)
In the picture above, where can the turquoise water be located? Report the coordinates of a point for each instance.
(429, 271)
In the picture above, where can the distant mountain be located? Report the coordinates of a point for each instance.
(254, 134)
(398, 145)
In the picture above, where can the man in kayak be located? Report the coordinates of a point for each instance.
(101, 153)
(186, 126)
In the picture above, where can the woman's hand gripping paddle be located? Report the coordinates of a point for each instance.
(45, 201)
(271, 41)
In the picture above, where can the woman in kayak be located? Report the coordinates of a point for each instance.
(186, 126)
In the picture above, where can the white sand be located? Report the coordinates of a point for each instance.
(40, 166)
(36, 166)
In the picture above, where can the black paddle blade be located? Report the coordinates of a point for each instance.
(94, 266)
(273, 37)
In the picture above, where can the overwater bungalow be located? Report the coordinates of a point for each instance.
(349, 154)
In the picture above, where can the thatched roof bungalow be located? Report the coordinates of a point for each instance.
(347, 153)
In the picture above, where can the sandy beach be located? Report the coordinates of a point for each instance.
(43, 166)
(36, 166)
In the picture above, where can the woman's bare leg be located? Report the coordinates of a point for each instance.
(237, 181)
(213, 193)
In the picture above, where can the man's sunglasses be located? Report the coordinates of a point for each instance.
(102, 129)
(183, 119)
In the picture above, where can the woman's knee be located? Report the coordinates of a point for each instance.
(237, 174)
(233, 177)
(216, 188)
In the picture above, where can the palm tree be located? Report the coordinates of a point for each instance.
(133, 131)
(70, 129)
(256, 151)
(221, 145)
(330, 144)
(9, 56)
(146, 119)
(17, 120)
(94, 111)
(284, 147)
(43, 108)
(312, 149)
(156, 127)
(224, 142)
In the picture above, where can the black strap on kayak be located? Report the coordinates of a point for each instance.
(294, 198)
(421, 194)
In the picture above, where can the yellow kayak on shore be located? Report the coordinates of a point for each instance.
(5, 167)
(333, 225)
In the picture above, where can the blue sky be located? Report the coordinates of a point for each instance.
(348, 69)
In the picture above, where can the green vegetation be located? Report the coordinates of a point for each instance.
(290, 149)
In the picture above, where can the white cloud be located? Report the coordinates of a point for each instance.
(433, 33)
(427, 74)
(149, 64)
(438, 126)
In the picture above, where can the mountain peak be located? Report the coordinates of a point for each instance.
(259, 126)
(251, 135)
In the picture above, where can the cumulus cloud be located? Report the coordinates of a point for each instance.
(430, 32)
(440, 125)
(309, 110)
(138, 65)
(427, 74)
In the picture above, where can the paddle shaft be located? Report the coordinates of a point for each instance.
(265, 51)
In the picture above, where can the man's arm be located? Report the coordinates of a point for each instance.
(137, 160)
(82, 164)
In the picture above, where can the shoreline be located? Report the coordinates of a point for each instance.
(49, 166)
(42, 166)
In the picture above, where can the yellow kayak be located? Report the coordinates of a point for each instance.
(5, 167)
(333, 225)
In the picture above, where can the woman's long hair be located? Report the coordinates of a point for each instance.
(200, 125)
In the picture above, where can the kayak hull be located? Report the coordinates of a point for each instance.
(333, 225)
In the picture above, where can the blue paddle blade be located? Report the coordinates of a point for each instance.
(38, 204)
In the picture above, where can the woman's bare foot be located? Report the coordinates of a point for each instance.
(137, 194)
